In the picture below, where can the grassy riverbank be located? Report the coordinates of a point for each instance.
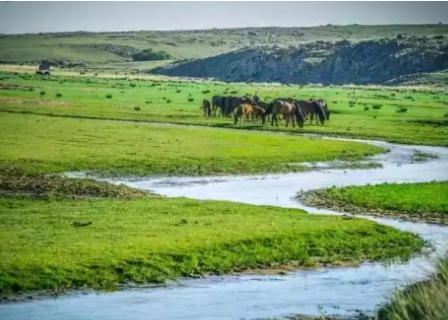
(47, 145)
(58, 243)
(425, 300)
(417, 201)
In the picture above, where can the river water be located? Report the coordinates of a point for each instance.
(332, 291)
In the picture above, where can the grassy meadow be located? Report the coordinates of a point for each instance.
(418, 201)
(60, 243)
(41, 144)
(396, 114)
(73, 233)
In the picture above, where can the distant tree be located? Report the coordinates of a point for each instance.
(150, 55)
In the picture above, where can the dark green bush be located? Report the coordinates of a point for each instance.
(150, 55)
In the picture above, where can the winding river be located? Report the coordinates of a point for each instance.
(332, 291)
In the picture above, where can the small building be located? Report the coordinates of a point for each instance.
(44, 69)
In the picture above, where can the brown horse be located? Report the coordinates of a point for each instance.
(246, 110)
(231, 103)
(207, 108)
(312, 108)
(289, 110)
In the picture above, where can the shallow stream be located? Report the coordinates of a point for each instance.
(332, 291)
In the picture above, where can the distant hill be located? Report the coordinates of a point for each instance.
(366, 62)
(97, 48)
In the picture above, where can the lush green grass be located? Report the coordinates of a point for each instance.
(173, 101)
(189, 43)
(411, 198)
(152, 239)
(426, 300)
(41, 144)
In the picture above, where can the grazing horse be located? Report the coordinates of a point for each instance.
(324, 107)
(217, 104)
(257, 98)
(289, 110)
(313, 108)
(244, 111)
(207, 108)
(267, 107)
(231, 103)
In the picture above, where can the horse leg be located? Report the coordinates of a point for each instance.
(293, 121)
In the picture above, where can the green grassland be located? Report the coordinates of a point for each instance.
(418, 201)
(82, 46)
(41, 144)
(404, 115)
(68, 243)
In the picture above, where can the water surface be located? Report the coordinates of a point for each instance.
(336, 291)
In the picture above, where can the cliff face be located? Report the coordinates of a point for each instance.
(376, 62)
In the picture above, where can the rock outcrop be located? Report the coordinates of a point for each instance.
(367, 62)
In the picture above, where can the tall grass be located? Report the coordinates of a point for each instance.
(427, 300)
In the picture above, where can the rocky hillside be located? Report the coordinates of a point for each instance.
(371, 61)
(106, 47)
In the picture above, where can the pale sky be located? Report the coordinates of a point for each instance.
(34, 17)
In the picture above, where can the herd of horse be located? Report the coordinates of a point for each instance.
(246, 109)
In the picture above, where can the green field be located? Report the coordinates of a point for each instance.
(421, 201)
(152, 239)
(126, 148)
(86, 47)
(404, 115)
(65, 233)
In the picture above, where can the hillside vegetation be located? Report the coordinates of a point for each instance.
(87, 47)
(365, 62)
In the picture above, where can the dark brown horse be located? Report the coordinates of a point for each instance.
(217, 102)
(231, 103)
(267, 107)
(289, 110)
(311, 109)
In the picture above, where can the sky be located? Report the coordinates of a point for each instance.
(35, 17)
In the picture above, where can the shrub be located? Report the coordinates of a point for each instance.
(168, 100)
(58, 95)
(133, 85)
(190, 99)
(402, 109)
(148, 102)
(233, 92)
(392, 94)
(109, 96)
(335, 102)
(42, 93)
(205, 91)
(150, 55)
(366, 108)
(82, 72)
(377, 106)
(178, 91)
(30, 89)
(137, 108)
